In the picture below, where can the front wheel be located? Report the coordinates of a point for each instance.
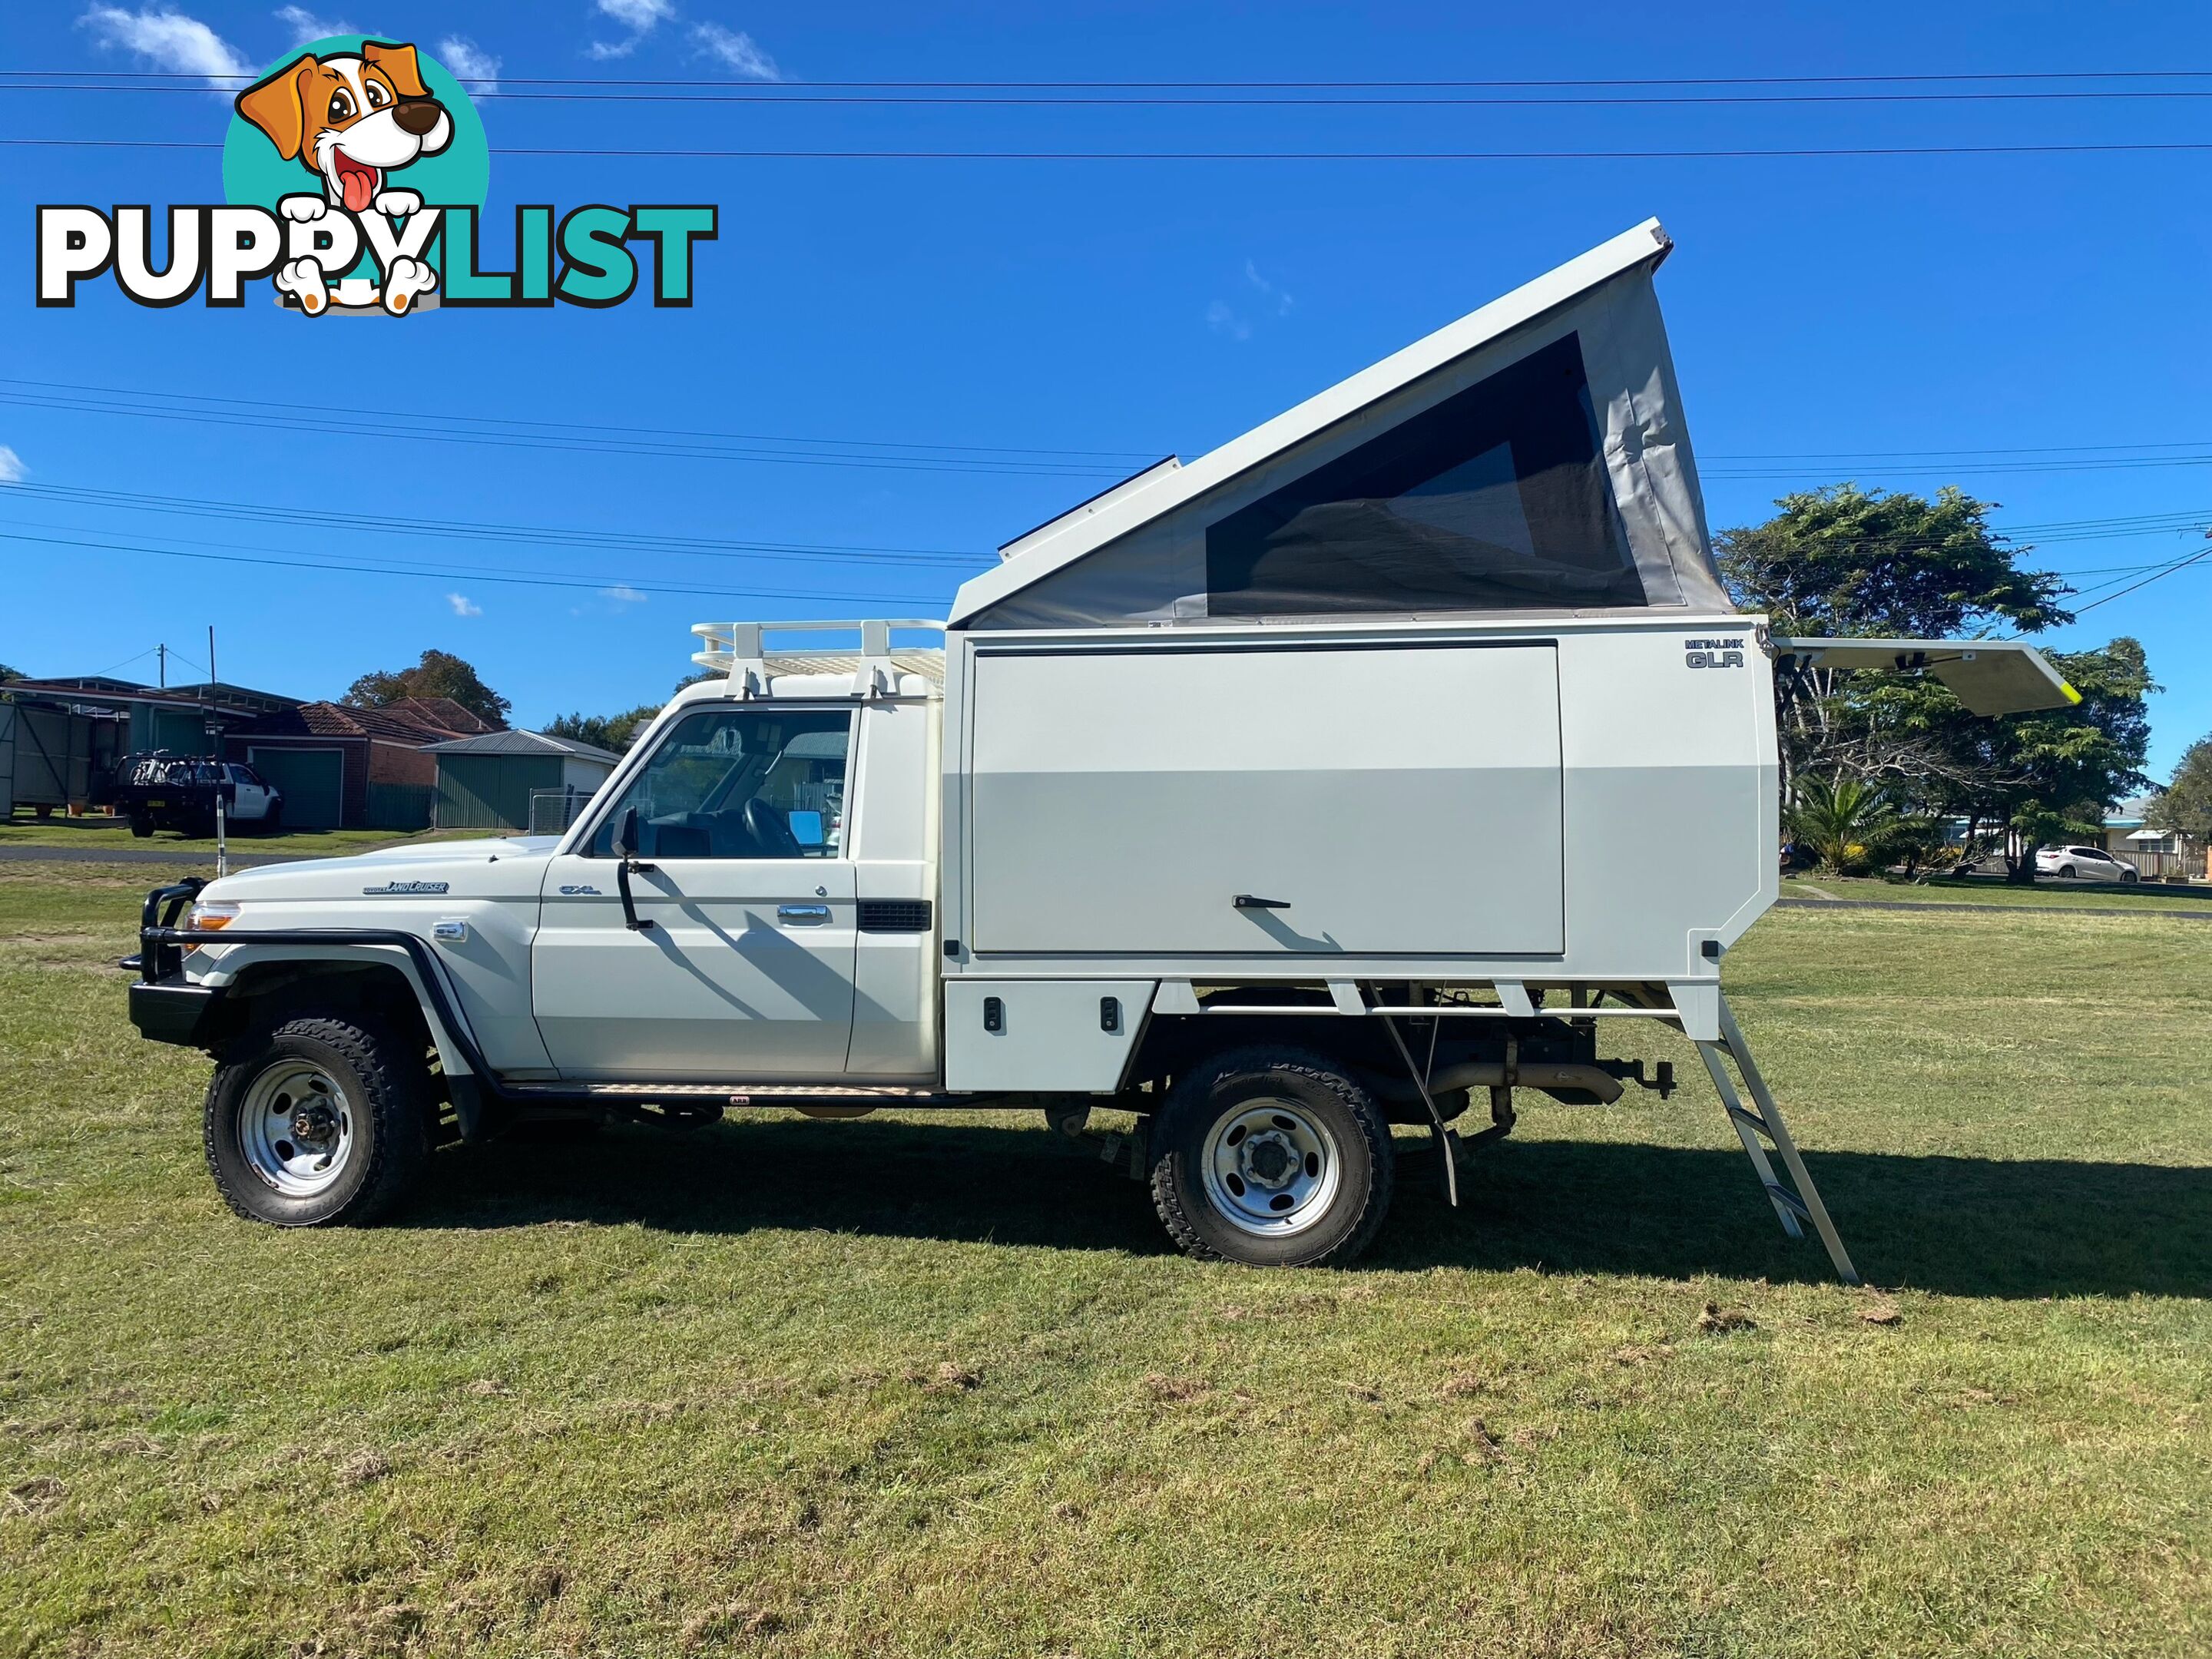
(1272, 1157)
(272, 821)
(320, 1121)
(2127, 876)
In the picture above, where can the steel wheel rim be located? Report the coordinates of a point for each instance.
(295, 1127)
(1271, 1168)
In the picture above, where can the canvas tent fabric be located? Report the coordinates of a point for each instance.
(1530, 457)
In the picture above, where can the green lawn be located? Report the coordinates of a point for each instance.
(784, 1387)
(101, 832)
(2146, 895)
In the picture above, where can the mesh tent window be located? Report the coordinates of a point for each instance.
(1495, 499)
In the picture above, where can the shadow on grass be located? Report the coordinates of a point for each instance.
(1961, 1225)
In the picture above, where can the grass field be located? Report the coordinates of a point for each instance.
(87, 834)
(784, 1388)
(2075, 896)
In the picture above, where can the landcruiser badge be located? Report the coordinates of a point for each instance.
(408, 887)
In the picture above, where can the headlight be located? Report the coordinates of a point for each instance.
(210, 916)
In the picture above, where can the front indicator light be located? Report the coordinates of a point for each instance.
(210, 918)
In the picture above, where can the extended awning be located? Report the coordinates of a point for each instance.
(1990, 676)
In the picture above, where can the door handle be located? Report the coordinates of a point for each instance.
(803, 912)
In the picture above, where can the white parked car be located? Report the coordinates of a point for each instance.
(2083, 864)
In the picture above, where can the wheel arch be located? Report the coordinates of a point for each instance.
(274, 981)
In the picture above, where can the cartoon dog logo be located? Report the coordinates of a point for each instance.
(352, 119)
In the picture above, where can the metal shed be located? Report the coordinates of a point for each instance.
(486, 782)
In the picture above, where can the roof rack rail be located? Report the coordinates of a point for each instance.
(739, 650)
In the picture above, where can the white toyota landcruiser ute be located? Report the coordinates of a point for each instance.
(1386, 758)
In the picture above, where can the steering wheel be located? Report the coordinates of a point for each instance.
(771, 830)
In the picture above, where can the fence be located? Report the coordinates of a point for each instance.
(400, 805)
(552, 811)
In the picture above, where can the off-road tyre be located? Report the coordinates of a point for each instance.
(385, 1087)
(1323, 1097)
(140, 826)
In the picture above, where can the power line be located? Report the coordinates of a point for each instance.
(1790, 152)
(764, 94)
(903, 450)
(481, 530)
(1994, 77)
(446, 435)
(605, 585)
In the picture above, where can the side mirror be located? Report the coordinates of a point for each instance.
(626, 835)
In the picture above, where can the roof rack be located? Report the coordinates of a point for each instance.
(739, 649)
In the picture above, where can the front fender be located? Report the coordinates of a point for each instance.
(220, 967)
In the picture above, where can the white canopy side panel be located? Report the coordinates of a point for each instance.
(1455, 478)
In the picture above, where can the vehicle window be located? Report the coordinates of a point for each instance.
(740, 783)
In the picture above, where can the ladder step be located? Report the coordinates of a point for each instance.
(1789, 1200)
(1751, 1120)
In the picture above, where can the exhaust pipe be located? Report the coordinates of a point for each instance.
(1550, 1076)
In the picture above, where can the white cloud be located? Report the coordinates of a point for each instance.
(1221, 317)
(623, 593)
(470, 62)
(735, 50)
(12, 470)
(638, 15)
(306, 26)
(1275, 298)
(168, 40)
(464, 605)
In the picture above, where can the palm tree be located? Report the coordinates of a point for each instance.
(1845, 823)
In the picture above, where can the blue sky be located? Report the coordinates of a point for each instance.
(1041, 325)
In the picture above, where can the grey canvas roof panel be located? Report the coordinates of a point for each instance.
(1530, 457)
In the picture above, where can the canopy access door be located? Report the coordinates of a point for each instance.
(1315, 797)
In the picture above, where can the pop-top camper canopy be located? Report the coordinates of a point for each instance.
(1529, 457)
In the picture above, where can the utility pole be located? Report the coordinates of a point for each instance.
(162, 652)
(221, 776)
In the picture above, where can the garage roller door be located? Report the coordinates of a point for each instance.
(311, 781)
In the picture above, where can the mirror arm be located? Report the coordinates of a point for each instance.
(622, 868)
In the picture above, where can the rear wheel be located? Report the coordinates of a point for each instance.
(141, 825)
(316, 1122)
(1272, 1157)
(273, 819)
(2068, 871)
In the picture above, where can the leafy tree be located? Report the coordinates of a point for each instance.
(1846, 823)
(1846, 560)
(2184, 807)
(9, 675)
(440, 674)
(2044, 776)
(614, 732)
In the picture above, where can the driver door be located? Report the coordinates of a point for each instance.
(743, 973)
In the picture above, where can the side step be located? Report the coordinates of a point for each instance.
(738, 1093)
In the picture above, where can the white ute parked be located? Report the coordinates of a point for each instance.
(1375, 762)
